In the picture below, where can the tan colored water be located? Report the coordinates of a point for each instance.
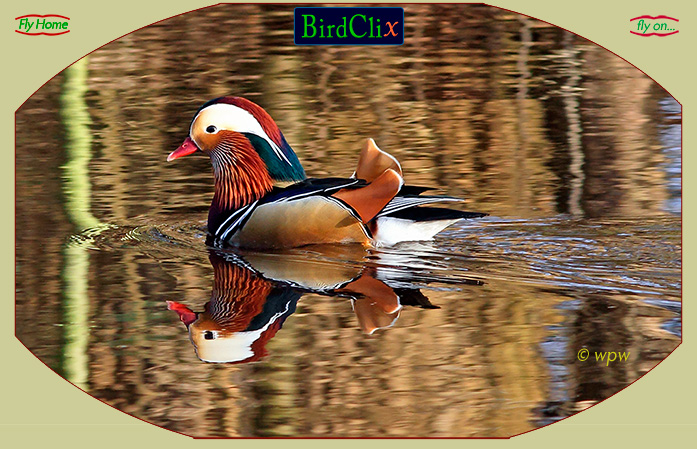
(574, 153)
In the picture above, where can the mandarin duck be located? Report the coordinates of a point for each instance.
(253, 296)
(244, 313)
(263, 198)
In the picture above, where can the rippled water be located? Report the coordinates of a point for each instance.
(574, 154)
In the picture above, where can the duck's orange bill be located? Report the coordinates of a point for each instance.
(185, 149)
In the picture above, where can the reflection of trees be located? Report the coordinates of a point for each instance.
(618, 325)
(465, 104)
(477, 103)
(623, 162)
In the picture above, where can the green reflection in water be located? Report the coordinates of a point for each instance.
(76, 119)
(77, 194)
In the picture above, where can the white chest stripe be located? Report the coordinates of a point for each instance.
(233, 227)
(236, 214)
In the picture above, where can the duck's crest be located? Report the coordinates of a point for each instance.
(287, 167)
(261, 116)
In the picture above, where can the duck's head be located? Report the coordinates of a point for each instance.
(235, 131)
(244, 313)
(217, 341)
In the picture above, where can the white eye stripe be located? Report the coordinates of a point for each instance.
(234, 118)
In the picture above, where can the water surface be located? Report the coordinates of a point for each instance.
(574, 153)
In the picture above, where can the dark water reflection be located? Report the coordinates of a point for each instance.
(253, 294)
(574, 153)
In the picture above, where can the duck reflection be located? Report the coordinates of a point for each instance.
(254, 294)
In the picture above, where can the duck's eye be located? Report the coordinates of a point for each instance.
(208, 335)
(211, 129)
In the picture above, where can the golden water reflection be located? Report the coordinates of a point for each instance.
(574, 153)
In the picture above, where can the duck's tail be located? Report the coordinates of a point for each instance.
(391, 210)
(416, 223)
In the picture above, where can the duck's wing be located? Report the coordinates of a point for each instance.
(373, 162)
(302, 213)
(368, 201)
(311, 186)
(402, 202)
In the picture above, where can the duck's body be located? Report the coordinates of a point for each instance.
(251, 160)
(254, 294)
(293, 216)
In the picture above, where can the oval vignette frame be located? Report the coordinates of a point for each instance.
(338, 4)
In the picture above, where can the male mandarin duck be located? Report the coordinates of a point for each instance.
(264, 200)
(244, 313)
(253, 296)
